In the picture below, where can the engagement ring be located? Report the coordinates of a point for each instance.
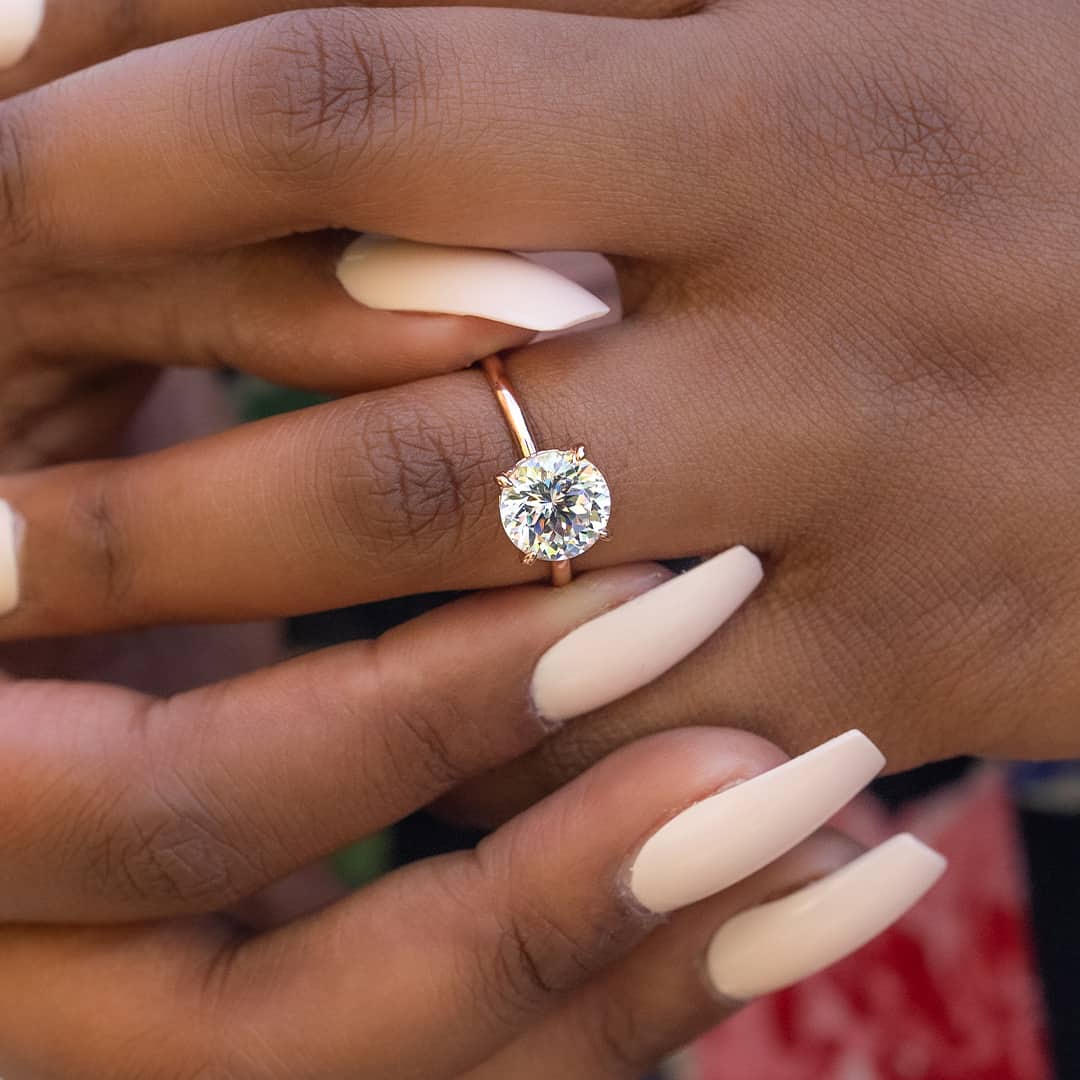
(554, 504)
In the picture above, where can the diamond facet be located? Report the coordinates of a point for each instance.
(554, 505)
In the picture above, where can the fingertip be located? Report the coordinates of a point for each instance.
(11, 531)
(401, 275)
(20, 25)
(760, 817)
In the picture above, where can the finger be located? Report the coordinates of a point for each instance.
(787, 923)
(423, 974)
(349, 117)
(540, 909)
(107, 1001)
(64, 413)
(160, 807)
(783, 671)
(393, 493)
(656, 1000)
(279, 311)
(100, 1002)
(41, 40)
(501, 934)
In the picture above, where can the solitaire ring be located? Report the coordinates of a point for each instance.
(554, 504)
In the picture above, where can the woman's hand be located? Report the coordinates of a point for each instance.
(848, 239)
(172, 242)
(546, 952)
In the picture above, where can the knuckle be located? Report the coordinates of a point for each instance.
(927, 126)
(169, 848)
(95, 516)
(420, 747)
(915, 126)
(170, 857)
(524, 957)
(436, 732)
(534, 960)
(316, 91)
(540, 953)
(16, 215)
(408, 471)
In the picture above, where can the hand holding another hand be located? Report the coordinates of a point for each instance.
(846, 236)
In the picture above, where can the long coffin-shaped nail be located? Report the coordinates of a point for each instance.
(400, 275)
(10, 527)
(626, 648)
(736, 832)
(772, 946)
(20, 24)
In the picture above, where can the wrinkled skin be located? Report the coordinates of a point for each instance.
(848, 236)
(853, 309)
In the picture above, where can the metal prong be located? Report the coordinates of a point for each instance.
(502, 480)
(528, 560)
(604, 535)
(579, 453)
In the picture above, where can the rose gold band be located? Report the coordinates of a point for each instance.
(503, 389)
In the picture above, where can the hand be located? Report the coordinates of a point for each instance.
(529, 957)
(852, 273)
(200, 851)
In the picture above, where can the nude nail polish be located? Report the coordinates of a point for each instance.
(734, 833)
(10, 529)
(20, 24)
(400, 275)
(783, 942)
(632, 645)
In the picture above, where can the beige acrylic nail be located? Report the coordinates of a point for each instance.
(634, 644)
(10, 538)
(783, 942)
(20, 24)
(734, 833)
(400, 275)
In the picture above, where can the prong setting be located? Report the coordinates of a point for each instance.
(555, 504)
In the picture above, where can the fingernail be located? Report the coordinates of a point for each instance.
(10, 528)
(20, 23)
(734, 833)
(772, 946)
(400, 275)
(630, 646)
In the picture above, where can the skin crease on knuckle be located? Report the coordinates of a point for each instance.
(929, 571)
(309, 88)
(409, 468)
(425, 731)
(535, 956)
(171, 850)
(913, 152)
(158, 840)
(17, 207)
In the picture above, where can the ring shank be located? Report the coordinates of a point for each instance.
(499, 380)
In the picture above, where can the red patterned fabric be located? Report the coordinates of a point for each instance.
(947, 994)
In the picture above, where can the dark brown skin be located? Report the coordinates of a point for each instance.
(848, 234)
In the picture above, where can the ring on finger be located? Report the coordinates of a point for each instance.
(554, 504)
